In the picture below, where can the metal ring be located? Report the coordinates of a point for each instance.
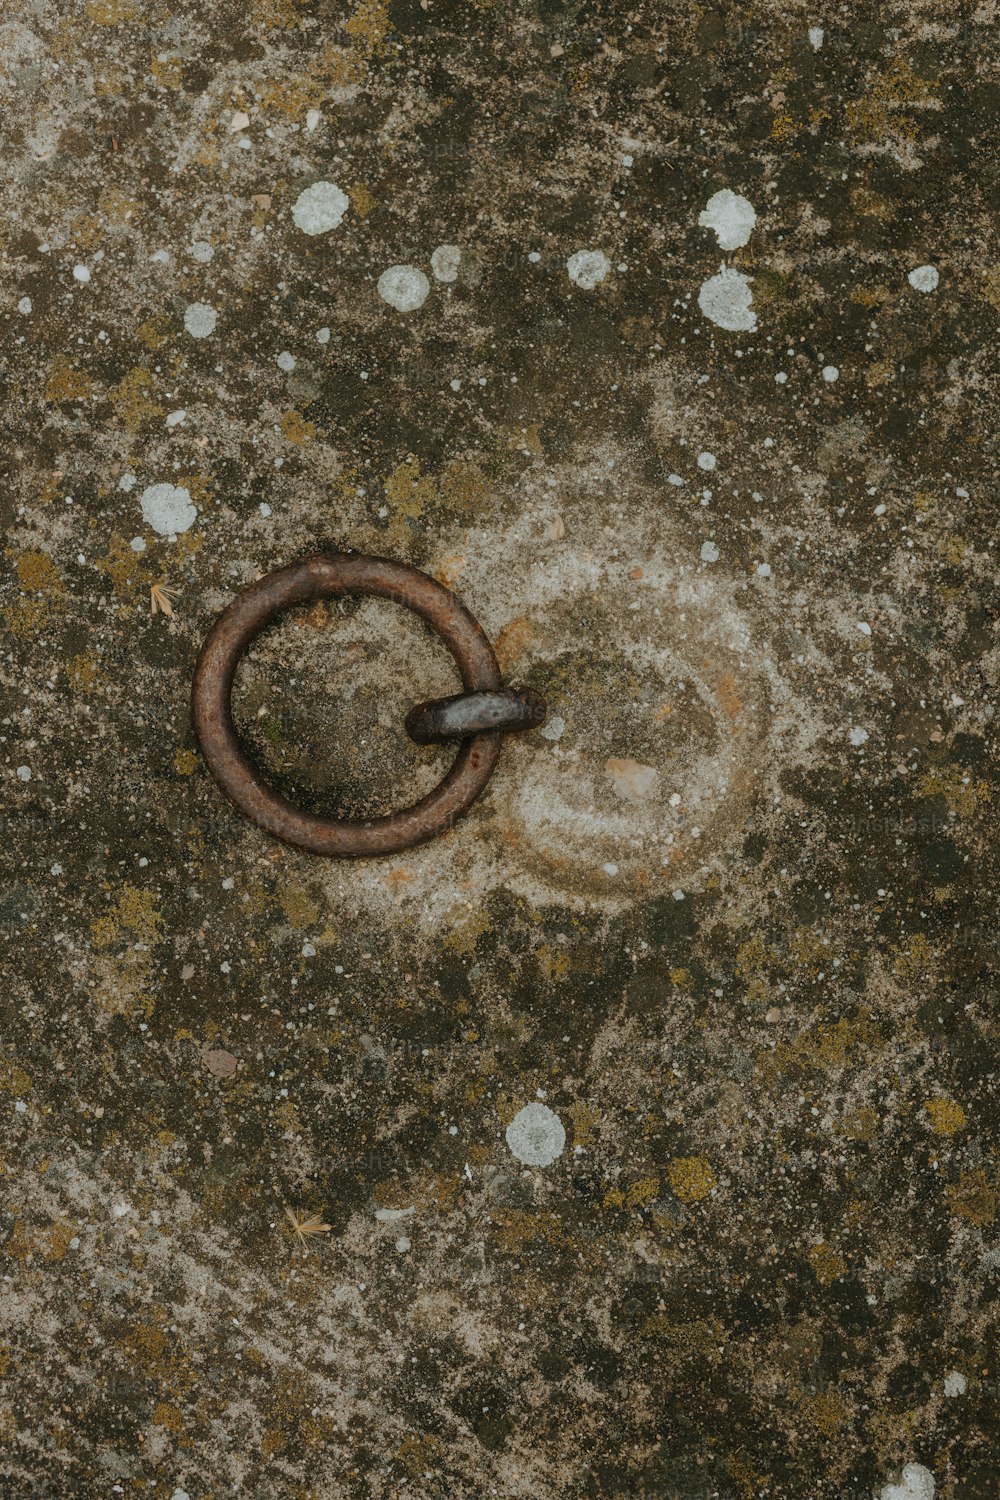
(331, 575)
(511, 710)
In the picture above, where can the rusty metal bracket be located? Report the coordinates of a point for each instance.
(478, 717)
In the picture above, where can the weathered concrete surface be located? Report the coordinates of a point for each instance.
(731, 918)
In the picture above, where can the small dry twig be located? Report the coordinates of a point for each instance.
(160, 595)
(304, 1225)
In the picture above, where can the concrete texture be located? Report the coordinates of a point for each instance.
(451, 282)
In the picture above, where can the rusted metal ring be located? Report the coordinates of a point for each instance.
(511, 710)
(325, 576)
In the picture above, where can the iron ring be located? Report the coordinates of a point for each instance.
(325, 576)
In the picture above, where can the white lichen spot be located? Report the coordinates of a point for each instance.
(403, 287)
(816, 37)
(167, 508)
(313, 118)
(536, 1135)
(917, 1483)
(81, 273)
(727, 301)
(731, 216)
(553, 728)
(763, 570)
(706, 461)
(24, 306)
(588, 267)
(709, 552)
(924, 279)
(445, 262)
(857, 736)
(322, 335)
(286, 361)
(955, 1383)
(320, 208)
(201, 251)
(830, 374)
(24, 773)
(176, 418)
(200, 320)
(138, 544)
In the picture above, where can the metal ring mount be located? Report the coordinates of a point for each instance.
(333, 575)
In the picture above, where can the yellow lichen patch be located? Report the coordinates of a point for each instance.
(117, 207)
(553, 962)
(464, 929)
(825, 1047)
(972, 1197)
(827, 1264)
(703, 1338)
(83, 672)
(185, 761)
(199, 487)
(526, 440)
(300, 907)
(275, 15)
(368, 25)
(87, 231)
(408, 492)
(154, 332)
(26, 619)
(880, 110)
(585, 1122)
(13, 1078)
(110, 12)
(861, 1124)
(37, 573)
(991, 287)
(20, 1245)
(167, 1415)
(963, 795)
(167, 69)
(808, 950)
(691, 1178)
(57, 1240)
(873, 205)
(915, 959)
(952, 550)
(418, 1455)
(946, 1115)
(754, 959)
(132, 402)
(296, 429)
(643, 1192)
(361, 198)
(134, 916)
(464, 486)
(67, 384)
(124, 567)
(516, 1229)
(827, 1411)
